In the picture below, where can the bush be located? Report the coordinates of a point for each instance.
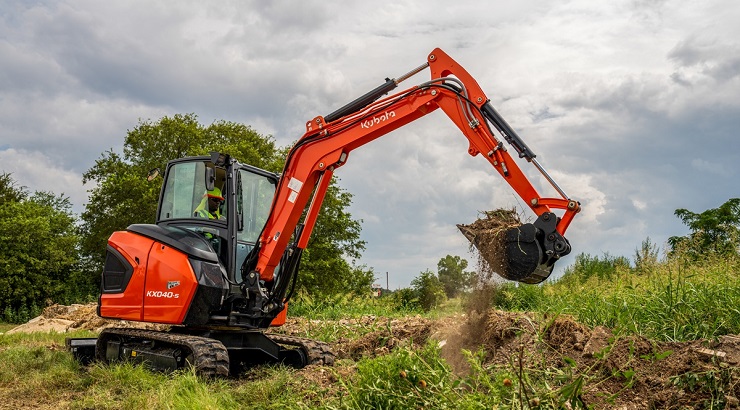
(429, 290)
(587, 266)
(405, 299)
(38, 254)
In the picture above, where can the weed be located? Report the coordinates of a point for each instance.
(403, 379)
(720, 384)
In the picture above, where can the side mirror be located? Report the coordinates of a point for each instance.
(220, 160)
(210, 179)
(153, 173)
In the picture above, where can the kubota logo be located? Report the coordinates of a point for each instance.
(160, 294)
(377, 120)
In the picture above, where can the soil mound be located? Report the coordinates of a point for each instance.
(61, 319)
(600, 369)
(615, 371)
(407, 332)
(379, 335)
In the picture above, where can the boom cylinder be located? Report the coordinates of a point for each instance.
(511, 136)
(362, 101)
(373, 95)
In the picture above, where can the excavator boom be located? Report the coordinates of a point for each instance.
(329, 140)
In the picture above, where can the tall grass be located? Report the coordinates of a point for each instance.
(415, 379)
(673, 300)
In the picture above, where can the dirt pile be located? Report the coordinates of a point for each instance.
(379, 335)
(606, 371)
(61, 319)
(602, 370)
(408, 332)
(487, 241)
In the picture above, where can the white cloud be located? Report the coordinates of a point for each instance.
(632, 106)
(38, 172)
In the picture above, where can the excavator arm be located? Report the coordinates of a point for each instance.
(328, 141)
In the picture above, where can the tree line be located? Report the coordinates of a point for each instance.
(39, 252)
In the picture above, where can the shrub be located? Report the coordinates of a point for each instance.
(429, 290)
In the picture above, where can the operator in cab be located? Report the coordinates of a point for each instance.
(210, 205)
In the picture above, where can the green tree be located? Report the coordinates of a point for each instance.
(9, 189)
(334, 240)
(122, 196)
(38, 251)
(452, 275)
(713, 232)
(430, 291)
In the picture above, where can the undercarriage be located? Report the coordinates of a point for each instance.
(213, 353)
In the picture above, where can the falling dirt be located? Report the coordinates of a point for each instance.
(486, 235)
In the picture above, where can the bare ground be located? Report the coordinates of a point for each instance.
(618, 372)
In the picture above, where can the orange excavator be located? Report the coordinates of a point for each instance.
(221, 278)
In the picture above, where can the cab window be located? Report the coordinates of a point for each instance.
(185, 195)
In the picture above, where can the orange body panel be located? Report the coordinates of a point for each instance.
(161, 287)
(170, 285)
(280, 318)
(128, 305)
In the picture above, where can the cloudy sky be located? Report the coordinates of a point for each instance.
(632, 106)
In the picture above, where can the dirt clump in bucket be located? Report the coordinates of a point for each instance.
(487, 241)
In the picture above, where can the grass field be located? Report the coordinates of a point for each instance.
(647, 313)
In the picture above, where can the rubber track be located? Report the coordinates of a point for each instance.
(316, 352)
(211, 357)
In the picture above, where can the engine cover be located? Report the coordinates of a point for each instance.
(159, 275)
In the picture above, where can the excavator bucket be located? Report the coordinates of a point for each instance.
(521, 252)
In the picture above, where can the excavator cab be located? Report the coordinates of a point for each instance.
(219, 199)
(186, 271)
(210, 215)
